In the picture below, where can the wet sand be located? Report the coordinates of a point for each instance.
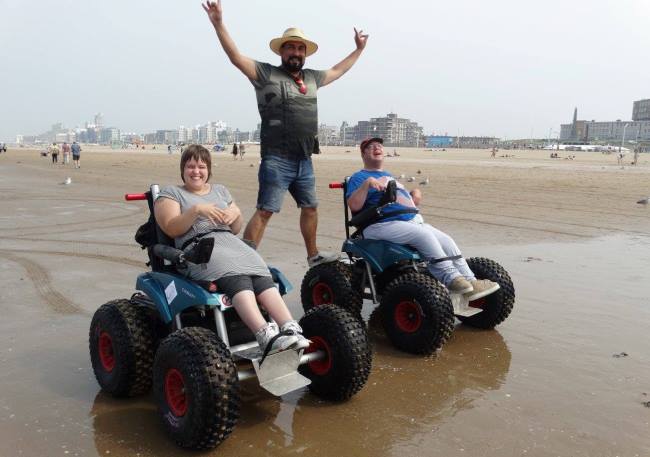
(567, 374)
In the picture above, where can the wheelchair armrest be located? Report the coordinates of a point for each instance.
(200, 253)
(175, 256)
(365, 217)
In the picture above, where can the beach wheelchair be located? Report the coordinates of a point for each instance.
(417, 311)
(184, 339)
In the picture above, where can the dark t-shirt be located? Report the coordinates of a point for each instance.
(289, 118)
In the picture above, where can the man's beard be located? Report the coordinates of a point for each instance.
(293, 64)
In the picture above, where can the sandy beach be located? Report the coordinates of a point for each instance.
(567, 374)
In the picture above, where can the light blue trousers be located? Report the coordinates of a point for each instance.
(430, 243)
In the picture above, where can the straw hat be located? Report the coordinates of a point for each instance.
(293, 34)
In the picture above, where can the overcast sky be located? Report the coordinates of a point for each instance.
(505, 68)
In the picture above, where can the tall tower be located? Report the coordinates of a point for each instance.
(574, 129)
(99, 121)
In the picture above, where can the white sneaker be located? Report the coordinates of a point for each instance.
(322, 257)
(294, 328)
(269, 334)
(482, 288)
(460, 285)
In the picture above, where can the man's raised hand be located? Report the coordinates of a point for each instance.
(360, 39)
(214, 11)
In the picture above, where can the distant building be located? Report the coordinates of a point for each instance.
(166, 137)
(581, 131)
(394, 130)
(109, 135)
(131, 138)
(184, 134)
(226, 136)
(242, 136)
(328, 135)
(256, 133)
(439, 141)
(99, 121)
(468, 142)
(641, 110)
(88, 135)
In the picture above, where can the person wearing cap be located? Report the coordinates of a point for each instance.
(287, 103)
(401, 224)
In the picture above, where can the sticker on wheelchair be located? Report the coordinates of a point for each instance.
(224, 302)
(170, 292)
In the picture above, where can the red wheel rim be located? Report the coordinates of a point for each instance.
(175, 392)
(106, 354)
(322, 366)
(479, 303)
(322, 294)
(408, 317)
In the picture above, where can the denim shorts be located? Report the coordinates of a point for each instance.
(277, 175)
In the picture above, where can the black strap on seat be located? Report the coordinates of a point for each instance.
(375, 214)
(201, 235)
(442, 259)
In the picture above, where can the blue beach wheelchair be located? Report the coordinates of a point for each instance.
(417, 311)
(184, 339)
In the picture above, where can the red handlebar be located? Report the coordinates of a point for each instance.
(336, 185)
(129, 197)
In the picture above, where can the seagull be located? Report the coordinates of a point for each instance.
(67, 181)
(425, 182)
(411, 179)
(644, 201)
(402, 176)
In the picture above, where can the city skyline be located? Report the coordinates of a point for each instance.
(503, 69)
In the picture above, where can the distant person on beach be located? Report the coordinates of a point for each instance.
(169, 149)
(76, 154)
(286, 99)
(402, 225)
(54, 150)
(235, 151)
(66, 153)
(242, 150)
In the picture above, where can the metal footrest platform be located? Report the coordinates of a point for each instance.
(461, 306)
(279, 372)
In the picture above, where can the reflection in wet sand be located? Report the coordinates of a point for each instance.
(408, 397)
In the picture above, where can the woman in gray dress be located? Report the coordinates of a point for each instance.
(198, 209)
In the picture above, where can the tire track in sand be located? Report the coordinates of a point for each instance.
(107, 258)
(39, 276)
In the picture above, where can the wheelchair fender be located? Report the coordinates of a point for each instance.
(172, 294)
(379, 254)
